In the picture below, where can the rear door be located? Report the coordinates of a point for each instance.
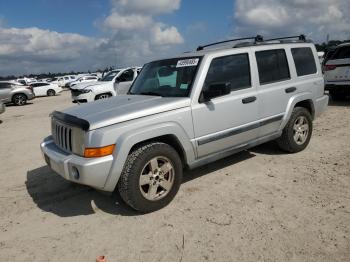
(337, 69)
(227, 121)
(275, 88)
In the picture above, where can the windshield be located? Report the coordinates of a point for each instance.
(110, 76)
(168, 78)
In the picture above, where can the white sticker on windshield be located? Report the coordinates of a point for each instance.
(187, 62)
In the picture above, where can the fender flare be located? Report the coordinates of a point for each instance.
(291, 104)
(126, 141)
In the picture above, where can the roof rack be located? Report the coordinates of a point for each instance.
(257, 38)
(299, 37)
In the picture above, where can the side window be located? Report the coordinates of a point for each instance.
(233, 70)
(128, 75)
(272, 66)
(304, 61)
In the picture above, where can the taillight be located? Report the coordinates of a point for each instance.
(329, 67)
(30, 88)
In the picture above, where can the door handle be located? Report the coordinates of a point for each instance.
(250, 99)
(290, 89)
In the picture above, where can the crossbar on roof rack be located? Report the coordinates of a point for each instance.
(300, 38)
(257, 38)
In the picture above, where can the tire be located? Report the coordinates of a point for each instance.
(19, 99)
(297, 133)
(51, 92)
(102, 96)
(141, 182)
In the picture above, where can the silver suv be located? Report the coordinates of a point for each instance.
(15, 93)
(187, 111)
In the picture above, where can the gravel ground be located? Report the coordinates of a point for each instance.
(258, 205)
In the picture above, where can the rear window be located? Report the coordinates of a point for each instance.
(304, 61)
(342, 53)
(272, 66)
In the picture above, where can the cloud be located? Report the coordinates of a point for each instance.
(116, 21)
(316, 19)
(130, 36)
(163, 35)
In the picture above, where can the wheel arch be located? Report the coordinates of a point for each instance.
(300, 100)
(169, 133)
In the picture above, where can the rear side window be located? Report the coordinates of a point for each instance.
(233, 69)
(272, 66)
(342, 53)
(304, 61)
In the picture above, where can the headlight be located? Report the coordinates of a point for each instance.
(86, 91)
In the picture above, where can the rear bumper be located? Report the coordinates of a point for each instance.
(30, 96)
(321, 105)
(87, 171)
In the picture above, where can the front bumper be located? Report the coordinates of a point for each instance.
(321, 105)
(83, 98)
(87, 171)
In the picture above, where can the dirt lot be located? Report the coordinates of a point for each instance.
(258, 205)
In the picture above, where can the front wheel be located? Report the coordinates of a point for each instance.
(297, 133)
(51, 92)
(151, 177)
(19, 99)
(103, 96)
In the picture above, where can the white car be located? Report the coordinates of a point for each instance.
(62, 81)
(337, 72)
(116, 82)
(83, 79)
(46, 89)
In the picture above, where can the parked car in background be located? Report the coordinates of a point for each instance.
(15, 93)
(116, 82)
(2, 107)
(46, 89)
(187, 111)
(337, 72)
(62, 81)
(83, 79)
(26, 81)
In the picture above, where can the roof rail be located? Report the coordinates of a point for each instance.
(299, 37)
(257, 38)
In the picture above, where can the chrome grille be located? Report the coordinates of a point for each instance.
(62, 135)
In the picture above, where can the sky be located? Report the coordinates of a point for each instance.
(41, 36)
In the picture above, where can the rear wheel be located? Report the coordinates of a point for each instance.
(103, 96)
(19, 99)
(51, 92)
(297, 133)
(151, 177)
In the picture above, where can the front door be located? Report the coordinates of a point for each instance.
(124, 81)
(231, 120)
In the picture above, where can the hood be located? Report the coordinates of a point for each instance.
(88, 84)
(124, 108)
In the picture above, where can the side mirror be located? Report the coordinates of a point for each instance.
(215, 90)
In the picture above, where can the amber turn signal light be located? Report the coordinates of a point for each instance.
(99, 151)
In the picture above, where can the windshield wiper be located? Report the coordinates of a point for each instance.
(150, 94)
